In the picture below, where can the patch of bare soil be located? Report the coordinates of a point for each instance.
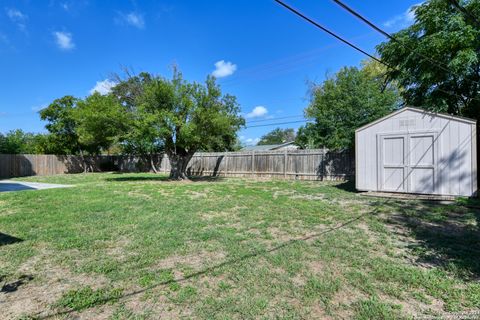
(414, 308)
(158, 307)
(230, 213)
(104, 312)
(279, 234)
(281, 193)
(197, 195)
(118, 248)
(137, 194)
(342, 302)
(48, 283)
(195, 261)
(318, 196)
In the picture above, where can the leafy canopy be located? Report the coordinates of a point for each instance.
(77, 126)
(62, 125)
(344, 102)
(442, 33)
(100, 120)
(20, 142)
(188, 117)
(277, 136)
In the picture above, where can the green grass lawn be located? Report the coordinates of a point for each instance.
(136, 246)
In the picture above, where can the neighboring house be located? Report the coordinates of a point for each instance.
(271, 147)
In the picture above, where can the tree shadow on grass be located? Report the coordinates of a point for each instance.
(447, 236)
(163, 178)
(348, 186)
(7, 239)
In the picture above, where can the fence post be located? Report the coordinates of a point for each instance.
(324, 151)
(226, 164)
(285, 156)
(253, 162)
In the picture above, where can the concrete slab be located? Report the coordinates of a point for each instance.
(10, 185)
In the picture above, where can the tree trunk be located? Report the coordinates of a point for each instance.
(152, 164)
(84, 162)
(178, 165)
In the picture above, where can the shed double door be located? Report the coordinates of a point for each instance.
(408, 162)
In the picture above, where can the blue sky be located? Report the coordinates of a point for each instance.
(260, 52)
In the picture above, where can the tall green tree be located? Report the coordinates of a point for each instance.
(277, 136)
(62, 126)
(342, 103)
(84, 127)
(188, 117)
(141, 139)
(437, 59)
(20, 142)
(99, 122)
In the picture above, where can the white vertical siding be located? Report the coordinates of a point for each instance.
(456, 154)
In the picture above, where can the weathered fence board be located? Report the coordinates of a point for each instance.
(287, 164)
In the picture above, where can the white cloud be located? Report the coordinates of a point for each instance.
(64, 40)
(17, 17)
(133, 19)
(403, 20)
(224, 69)
(40, 107)
(103, 87)
(258, 111)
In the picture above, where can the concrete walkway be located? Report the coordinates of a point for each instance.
(10, 185)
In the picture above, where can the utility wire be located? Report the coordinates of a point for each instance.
(465, 12)
(437, 63)
(357, 48)
(275, 124)
(280, 118)
(298, 13)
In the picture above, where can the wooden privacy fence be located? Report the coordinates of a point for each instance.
(315, 164)
(20, 165)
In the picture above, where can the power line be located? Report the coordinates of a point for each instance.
(437, 63)
(298, 13)
(358, 49)
(465, 12)
(280, 118)
(276, 124)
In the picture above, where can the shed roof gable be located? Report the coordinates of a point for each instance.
(424, 112)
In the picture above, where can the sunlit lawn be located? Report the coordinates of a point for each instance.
(136, 246)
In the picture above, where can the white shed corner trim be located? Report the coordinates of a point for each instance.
(415, 151)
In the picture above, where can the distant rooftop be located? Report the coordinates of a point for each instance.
(267, 147)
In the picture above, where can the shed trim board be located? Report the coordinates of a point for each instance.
(474, 161)
(415, 151)
(425, 112)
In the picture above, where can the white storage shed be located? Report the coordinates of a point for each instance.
(415, 151)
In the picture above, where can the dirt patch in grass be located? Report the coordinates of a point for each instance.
(194, 260)
(158, 306)
(198, 195)
(282, 193)
(137, 194)
(318, 196)
(100, 313)
(118, 249)
(48, 284)
(279, 235)
(413, 308)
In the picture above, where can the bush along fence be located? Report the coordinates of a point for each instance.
(316, 164)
